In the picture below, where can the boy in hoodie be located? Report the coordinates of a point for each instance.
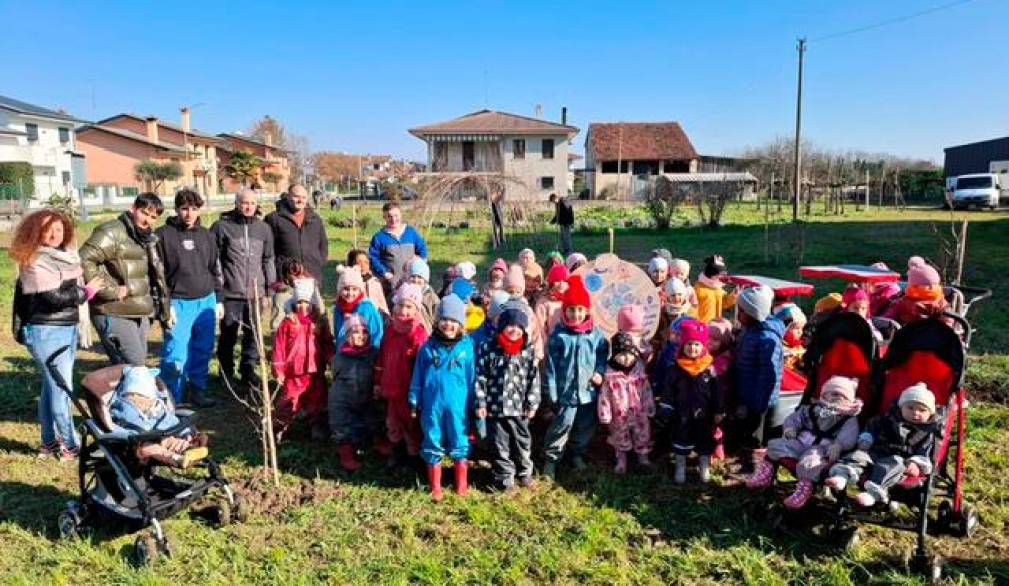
(507, 395)
(355, 416)
(350, 300)
(394, 370)
(576, 357)
(419, 273)
(756, 370)
(712, 300)
(441, 394)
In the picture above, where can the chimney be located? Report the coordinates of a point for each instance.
(152, 128)
(268, 138)
(564, 115)
(184, 116)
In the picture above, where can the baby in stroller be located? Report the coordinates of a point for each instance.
(140, 406)
(894, 445)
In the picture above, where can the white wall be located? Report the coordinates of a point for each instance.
(530, 169)
(47, 155)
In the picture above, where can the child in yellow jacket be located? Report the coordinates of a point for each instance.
(712, 299)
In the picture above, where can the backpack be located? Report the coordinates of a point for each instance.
(22, 313)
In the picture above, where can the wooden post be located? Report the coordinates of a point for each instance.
(353, 217)
(961, 252)
(264, 387)
(611, 240)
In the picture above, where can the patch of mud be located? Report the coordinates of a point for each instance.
(260, 496)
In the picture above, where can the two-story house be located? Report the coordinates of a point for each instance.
(621, 156)
(275, 172)
(530, 153)
(46, 140)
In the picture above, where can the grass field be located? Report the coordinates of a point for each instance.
(592, 528)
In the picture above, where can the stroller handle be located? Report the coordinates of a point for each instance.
(963, 323)
(973, 294)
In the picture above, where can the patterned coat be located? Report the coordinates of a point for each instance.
(507, 386)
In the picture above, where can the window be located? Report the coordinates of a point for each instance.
(677, 166)
(519, 148)
(64, 134)
(32, 130)
(548, 148)
(468, 155)
(546, 182)
(611, 166)
(66, 177)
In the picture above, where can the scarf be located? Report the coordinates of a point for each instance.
(351, 350)
(445, 341)
(827, 414)
(404, 325)
(346, 307)
(927, 293)
(709, 282)
(695, 366)
(555, 294)
(510, 347)
(582, 328)
(50, 267)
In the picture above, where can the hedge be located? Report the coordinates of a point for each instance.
(19, 174)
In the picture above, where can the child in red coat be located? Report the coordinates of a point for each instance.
(302, 346)
(394, 369)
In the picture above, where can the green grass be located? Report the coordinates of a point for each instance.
(323, 526)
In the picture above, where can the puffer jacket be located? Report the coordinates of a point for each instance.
(246, 255)
(353, 376)
(756, 372)
(889, 434)
(56, 307)
(693, 397)
(571, 360)
(302, 345)
(507, 386)
(306, 243)
(125, 257)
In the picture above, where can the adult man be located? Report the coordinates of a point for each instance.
(245, 245)
(564, 217)
(394, 246)
(193, 276)
(299, 234)
(124, 253)
(497, 218)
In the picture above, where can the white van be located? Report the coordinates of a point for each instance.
(980, 189)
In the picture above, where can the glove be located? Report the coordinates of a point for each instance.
(219, 311)
(789, 433)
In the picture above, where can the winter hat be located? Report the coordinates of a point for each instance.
(720, 329)
(499, 264)
(623, 343)
(828, 302)
(140, 380)
(304, 290)
(575, 258)
(557, 274)
(576, 294)
(790, 313)
(714, 266)
(515, 278)
(852, 295)
(921, 273)
(408, 292)
(498, 299)
(631, 318)
(453, 308)
(527, 252)
(693, 331)
(841, 386)
(466, 269)
(918, 393)
(350, 323)
(553, 255)
(462, 289)
(418, 267)
(657, 264)
(756, 301)
(513, 316)
(350, 277)
(664, 254)
(675, 287)
(679, 266)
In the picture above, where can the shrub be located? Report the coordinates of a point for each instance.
(19, 174)
(663, 200)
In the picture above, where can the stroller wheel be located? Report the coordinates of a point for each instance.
(145, 550)
(68, 522)
(166, 547)
(221, 513)
(238, 512)
(945, 518)
(968, 521)
(929, 566)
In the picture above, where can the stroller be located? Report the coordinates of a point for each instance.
(115, 486)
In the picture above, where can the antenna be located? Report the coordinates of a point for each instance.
(538, 111)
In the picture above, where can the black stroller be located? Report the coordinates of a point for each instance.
(116, 487)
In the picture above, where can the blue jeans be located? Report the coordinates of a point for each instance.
(54, 403)
(185, 353)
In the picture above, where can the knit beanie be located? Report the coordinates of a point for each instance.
(140, 380)
(497, 302)
(408, 292)
(679, 266)
(466, 269)
(515, 278)
(918, 393)
(921, 273)
(675, 287)
(576, 294)
(852, 295)
(631, 319)
(657, 264)
(756, 301)
(575, 258)
(350, 277)
(714, 266)
(304, 290)
(499, 264)
(513, 316)
(720, 329)
(418, 267)
(662, 253)
(791, 313)
(623, 343)
(828, 302)
(693, 331)
(557, 274)
(839, 385)
(453, 308)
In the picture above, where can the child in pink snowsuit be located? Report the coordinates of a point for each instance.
(626, 402)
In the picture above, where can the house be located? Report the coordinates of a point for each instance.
(621, 156)
(529, 156)
(275, 172)
(46, 140)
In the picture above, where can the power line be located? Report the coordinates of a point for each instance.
(890, 21)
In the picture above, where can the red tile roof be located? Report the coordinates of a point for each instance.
(609, 141)
(492, 122)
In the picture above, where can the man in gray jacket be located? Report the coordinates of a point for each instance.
(245, 244)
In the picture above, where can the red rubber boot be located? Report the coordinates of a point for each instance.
(434, 478)
(348, 460)
(461, 485)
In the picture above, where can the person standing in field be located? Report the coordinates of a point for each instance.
(394, 246)
(564, 217)
(298, 234)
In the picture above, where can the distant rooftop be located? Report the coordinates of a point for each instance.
(33, 110)
(493, 122)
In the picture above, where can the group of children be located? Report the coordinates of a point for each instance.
(472, 368)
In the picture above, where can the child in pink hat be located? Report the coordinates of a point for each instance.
(923, 297)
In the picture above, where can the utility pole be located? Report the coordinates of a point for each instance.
(798, 135)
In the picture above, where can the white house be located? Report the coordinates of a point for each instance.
(532, 154)
(45, 139)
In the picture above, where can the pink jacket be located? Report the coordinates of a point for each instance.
(625, 394)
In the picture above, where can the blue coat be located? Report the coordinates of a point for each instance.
(571, 360)
(756, 368)
(442, 392)
(372, 320)
(388, 254)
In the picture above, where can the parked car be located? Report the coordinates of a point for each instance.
(980, 189)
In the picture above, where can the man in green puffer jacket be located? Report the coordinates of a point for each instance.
(124, 252)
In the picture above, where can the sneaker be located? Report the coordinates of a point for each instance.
(835, 483)
(69, 454)
(864, 499)
(49, 450)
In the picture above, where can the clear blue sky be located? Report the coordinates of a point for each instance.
(355, 76)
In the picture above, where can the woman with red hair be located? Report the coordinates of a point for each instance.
(47, 304)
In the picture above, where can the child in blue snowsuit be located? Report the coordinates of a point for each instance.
(441, 394)
(576, 356)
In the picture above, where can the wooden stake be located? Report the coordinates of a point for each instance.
(611, 240)
(353, 217)
(264, 387)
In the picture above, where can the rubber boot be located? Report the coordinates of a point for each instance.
(348, 460)
(680, 472)
(434, 479)
(200, 398)
(763, 476)
(621, 466)
(461, 485)
(382, 446)
(800, 496)
(644, 462)
(704, 467)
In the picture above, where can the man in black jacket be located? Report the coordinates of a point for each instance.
(564, 217)
(298, 234)
(193, 275)
(245, 246)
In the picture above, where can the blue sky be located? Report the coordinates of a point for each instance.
(355, 75)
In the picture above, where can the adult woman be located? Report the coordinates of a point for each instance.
(48, 300)
(394, 246)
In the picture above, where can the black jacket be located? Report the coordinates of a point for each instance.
(56, 307)
(693, 397)
(306, 244)
(245, 246)
(564, 214)
(892, 435)
(190, 256)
